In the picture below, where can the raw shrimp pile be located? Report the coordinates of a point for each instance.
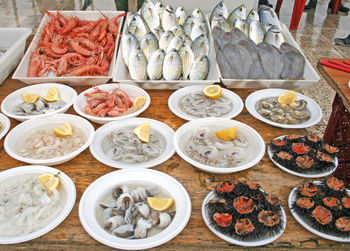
(70, 46)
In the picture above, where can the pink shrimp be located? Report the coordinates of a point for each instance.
(81, 50)
(86, 70)
(70, 25)
(34, 65)
(113, 25)
(124, 97)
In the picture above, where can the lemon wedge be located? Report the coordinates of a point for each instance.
(227, 134)
(160, 204)
(213, 91)
(52, 95)
(64, 130)
(287, 97)
(143, 132)
(140, 101)
(49, 181)
(30, 98)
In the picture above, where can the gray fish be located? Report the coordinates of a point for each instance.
(172, 66)
(129, 42)
(149, 44)
(252, 16)
(256, 31)
(224, 66)
(274, 36)
(178, 30)
(187, 40)
(200, 68)
(241, 12)
(243, 26)
(150, 15)
(271, 60)
(158, 32)
(180, 15)
(159, 7)
(165, 40)
(168, 18)
(200, 46)
(256, 70)
(187, 59)
(198, 29)
(219, 9)
(294, 62)
(155, 65)
(268, 17)
(138, 27)
(188, 25)
(221, 22)
(198, 14)
(175, 43)
(138, 65)
(239, 59)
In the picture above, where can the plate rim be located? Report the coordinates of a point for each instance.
(6, 126)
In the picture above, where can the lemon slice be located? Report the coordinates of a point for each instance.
(213, 91)
(160, 204)
(30, 98)
(140, 101)
(227, 134)
(49, 181)
(52, 95)
(143, 132)
(287, 97)
(64, 130)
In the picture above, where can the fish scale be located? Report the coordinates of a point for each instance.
(155, 65)
(138, 65)
(149, 45)
(172, 67)
(187, 58)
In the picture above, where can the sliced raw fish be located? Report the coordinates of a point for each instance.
(239, 59)
(294, 62)
(225, 68)
(271, 59)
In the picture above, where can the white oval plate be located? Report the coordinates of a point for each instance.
(316, 112)
(5, 125)
(174, 99)
(133, 92)
(319, 175)
(249, 133)
(103, 132)
(66, 93)
(104, 184)
(66, 185)
(291, 200)
(232, 240)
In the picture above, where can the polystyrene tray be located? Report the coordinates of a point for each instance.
(22, 70)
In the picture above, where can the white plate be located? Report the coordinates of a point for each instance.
(103, 132)
(16, 134)
(5, 125)
(319, 175)
(291, 200)
(66, 93)
(253, 137)
(104, 184)
(232, 240)
(174, 99)
(66, 186)
(131, 90)
(316, 112)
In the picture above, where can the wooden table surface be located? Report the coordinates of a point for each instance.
(84, 169)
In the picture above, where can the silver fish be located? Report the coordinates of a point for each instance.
(220, 10)
(243, 26)
(200, 68)
(188, 25)
(165, 40)
(274, 36)
(222, 23)
(155, 65)
(187, 40)
(241, 12)
(175, 43)
(138, 27)
(158, 31)
(200, 46)
(232, 18)
(252, 16)
(187, 59)
(180, 15)
(149, 44)
(172, 66)
(129, 42)
(159, 7)
(150, 15)
(168, 18)
(198, 29)
(198, 14)
(138, 65)
(178, 30)
(256, 31)
(268, 17)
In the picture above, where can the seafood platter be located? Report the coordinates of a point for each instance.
(29, 208)
(111, 102)
(164, 47)
(37, 101)
(191, 103)
(322, 207)
(120, 145)
(118, 210)
(4, 125)
(243, 214)
(265, 106)
(204, 144)
(304, 156)
(253, 49)
(49, 140)
(77, 48)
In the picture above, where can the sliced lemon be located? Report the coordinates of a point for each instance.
(49, 181)
(287, 97)
(140, 101)
(52, 95)
(143, 132)
(30, 98)
(64, 130)
(227, 134)
(160, 204)
(213, 91)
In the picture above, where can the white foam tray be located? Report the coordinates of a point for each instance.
(22, 69)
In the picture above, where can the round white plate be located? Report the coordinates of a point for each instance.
(66, 186)
(5, 125)
(255, 141)
(174, 99)
(292, 199)
(103, 132)
(232, 240)
(316, 112)
(319, 175)
(66, 93)
(132, 90)
(104, 184)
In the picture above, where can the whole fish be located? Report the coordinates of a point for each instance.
(187, 40)
(198, 14)
(274, 36)
(178, 30)
(187, 59)
(175, 43)
(221, 22)
(168, 18)
(158, 32)
(149, 14)
(232, 19)
(268, 17)
(155, 65)
(271, 59)
(180, 15)
(198, 29)
(241, 12)
(252, 16)
(188, 25)
(294, 62)
(200, 46)
(217, 35)
(149, 44)
(239, 59)
(129, 42)
(243, 26)
(138, 65)
(200, 68)
(159, 7)
(256, 31)
(172, 66)
(138, 27)
(219, 10)
(165, 40)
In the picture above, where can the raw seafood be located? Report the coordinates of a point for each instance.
(39, 107)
